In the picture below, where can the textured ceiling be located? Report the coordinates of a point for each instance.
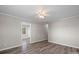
(55, 12)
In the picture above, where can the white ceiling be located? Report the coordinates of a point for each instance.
(55, 12)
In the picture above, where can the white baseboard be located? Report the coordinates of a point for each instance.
(10, 47)
(37, 41)
(64, 44)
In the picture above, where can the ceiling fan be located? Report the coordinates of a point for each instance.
(42, 12)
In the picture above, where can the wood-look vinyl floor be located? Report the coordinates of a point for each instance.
(43, 47)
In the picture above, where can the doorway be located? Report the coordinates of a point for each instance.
(25, 36)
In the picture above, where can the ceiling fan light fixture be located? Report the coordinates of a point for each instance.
(41, 12)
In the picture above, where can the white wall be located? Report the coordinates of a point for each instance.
(65, 32)
(38, 32)
(10, 32)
